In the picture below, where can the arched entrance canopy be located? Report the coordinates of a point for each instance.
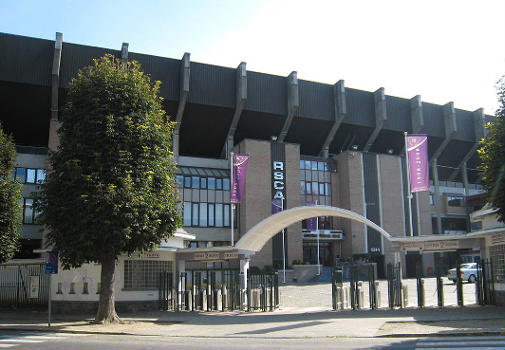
(259, 235)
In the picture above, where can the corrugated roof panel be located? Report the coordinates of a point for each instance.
(26, 60)
(316, 100)
(166, 70)
(212, 85)
(266, 93)
(360, 107)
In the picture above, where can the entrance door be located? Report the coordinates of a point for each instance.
(310, 253)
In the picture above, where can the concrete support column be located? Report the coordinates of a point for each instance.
(240, 100)
(380, 117)
(181, 268)
(340, 110)
(293, 104)
(55, 85)
(183, 97)
(124, 54)
(436, 196)
(244, 270)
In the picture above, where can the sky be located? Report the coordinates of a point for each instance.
(443, 50)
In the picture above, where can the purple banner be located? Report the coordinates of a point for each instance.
(311, 223)
(276, 205)
(240, 162)
(417, 149)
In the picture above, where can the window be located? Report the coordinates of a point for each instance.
(29, 214)
(313, 165)
(187, 181)
(497, 254)
(432, 200)
(195, 182)
(203, 182)
(30, 175)
(180, 181)
(455, 201)
(321, 189)
(187, 214)
(194, 221)
(308, 186)
(211, 214)
(302, 187)
(226, 215)
(219, 184)
(302, 164)
(320, 166)
(212, 183)
(226, 184)
(21, 175)
(41, 176)
(219, 215)
(203, 214)
(476, 225)
(144, 274)
(315, 188)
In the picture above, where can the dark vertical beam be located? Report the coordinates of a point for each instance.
(340, 110)
(124, 54)
(293, 104)
(480, 132)
(185, 72)
(450, 127)
(240, 100)
(380, 116)
(55, 75)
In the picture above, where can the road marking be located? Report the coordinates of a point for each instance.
(20, 340)
(42, 337)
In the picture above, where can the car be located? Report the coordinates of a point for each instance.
(469, 272)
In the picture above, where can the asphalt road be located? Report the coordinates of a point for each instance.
(63, 341)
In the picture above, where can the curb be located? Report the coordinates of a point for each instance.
(70, 331)
(441, 335)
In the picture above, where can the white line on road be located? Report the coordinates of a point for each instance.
(20, 340)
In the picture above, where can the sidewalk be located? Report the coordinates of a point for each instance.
(292, 323)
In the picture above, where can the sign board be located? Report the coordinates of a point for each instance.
(34, 287)
(230, 256)
(441, 245)
(51, 262)
(412, 246)
(498, 238)
(206, 256)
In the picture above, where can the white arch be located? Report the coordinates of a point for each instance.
(258, 235)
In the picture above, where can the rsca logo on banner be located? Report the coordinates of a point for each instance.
(278, 179)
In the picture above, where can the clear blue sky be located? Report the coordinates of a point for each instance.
(451, 50)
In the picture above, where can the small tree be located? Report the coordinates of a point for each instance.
(111, 189)
(492, 155)
(10, 196)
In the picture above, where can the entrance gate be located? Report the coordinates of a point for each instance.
(23, 285)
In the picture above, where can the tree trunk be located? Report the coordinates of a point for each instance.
(106, 309)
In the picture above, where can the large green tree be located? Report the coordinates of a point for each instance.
(111, 189)
(492, 154)
(10, 196)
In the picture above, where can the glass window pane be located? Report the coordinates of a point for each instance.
(194, 222)
(21, 175)
(321, 188)
(328, 189)
(308, 187)
(211, 215)
(226, 184)
(195, 182)
(203, 214)
(180, 181)
(226, 215)
(28, 211)
(187, 214)
(203, 182)
(211, 183)
(325, 166)
(187, 181)
(307, 164)
(315, 188)
(219, 184)
(302, 187)
(219, 215)
(314, 165)
(30, 176)
(320, 166)
(302, 164)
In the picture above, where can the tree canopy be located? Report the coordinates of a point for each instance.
(111, 189)
(10, 196)
(492, 155)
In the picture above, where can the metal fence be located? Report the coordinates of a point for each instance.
(23, 285)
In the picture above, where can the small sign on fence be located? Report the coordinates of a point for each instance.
(34, 287)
